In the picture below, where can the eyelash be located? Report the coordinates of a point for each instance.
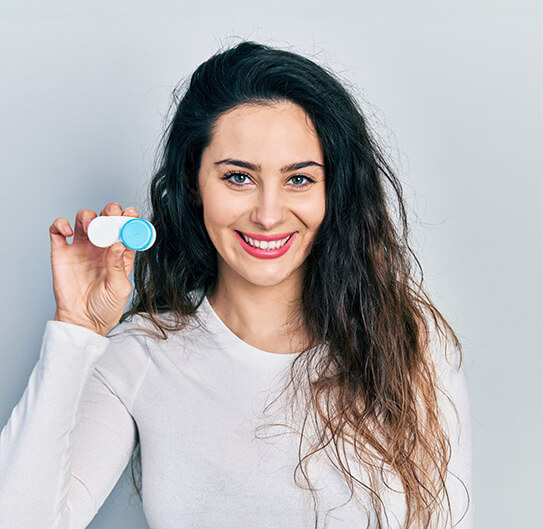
(227, 176)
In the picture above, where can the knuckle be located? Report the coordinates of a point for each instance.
(56, 222)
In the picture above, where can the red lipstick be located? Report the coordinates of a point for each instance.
(266, 254)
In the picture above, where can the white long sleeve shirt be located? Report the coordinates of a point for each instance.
(195, 400)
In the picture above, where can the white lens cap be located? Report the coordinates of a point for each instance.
(103, 231)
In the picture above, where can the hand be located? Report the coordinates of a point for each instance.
(90, 283)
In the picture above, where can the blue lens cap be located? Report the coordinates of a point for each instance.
(137, 234)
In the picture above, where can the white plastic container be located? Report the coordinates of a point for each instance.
(135, 233)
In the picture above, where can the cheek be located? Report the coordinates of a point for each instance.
(312, 211)
(220, 209)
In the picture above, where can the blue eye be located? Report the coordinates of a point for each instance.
(232, 174)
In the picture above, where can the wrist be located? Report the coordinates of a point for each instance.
(73, 321)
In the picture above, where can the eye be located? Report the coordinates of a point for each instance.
(231, 174)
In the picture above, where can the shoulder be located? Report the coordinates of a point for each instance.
(135, 344)
(443, 351)
(125, 362)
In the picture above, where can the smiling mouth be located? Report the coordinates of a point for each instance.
(265, 238)
(285, 239)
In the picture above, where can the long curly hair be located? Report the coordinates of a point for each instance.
(368, 380)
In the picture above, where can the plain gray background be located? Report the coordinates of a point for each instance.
(454, 89)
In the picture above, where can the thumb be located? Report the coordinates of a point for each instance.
(115, 262)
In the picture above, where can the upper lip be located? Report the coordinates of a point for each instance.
(259, 237)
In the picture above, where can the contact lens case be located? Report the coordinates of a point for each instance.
(135, 233)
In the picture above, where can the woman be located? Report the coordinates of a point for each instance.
(309, 382)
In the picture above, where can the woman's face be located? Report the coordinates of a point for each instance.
(246, 186)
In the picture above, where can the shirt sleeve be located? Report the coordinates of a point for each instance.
(69, 438)
(454, 403)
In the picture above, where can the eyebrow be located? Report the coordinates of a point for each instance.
(253, 167)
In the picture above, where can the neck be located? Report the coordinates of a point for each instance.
(266, 317)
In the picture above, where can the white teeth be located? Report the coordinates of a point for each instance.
(265, 245)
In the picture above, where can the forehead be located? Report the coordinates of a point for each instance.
(270, 131)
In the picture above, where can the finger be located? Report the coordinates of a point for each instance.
(58, 231)
(112, 208)
(131, 212)
(129, 258)
(82, 220)
(116, 271)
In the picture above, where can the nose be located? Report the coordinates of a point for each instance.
(268, 210)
